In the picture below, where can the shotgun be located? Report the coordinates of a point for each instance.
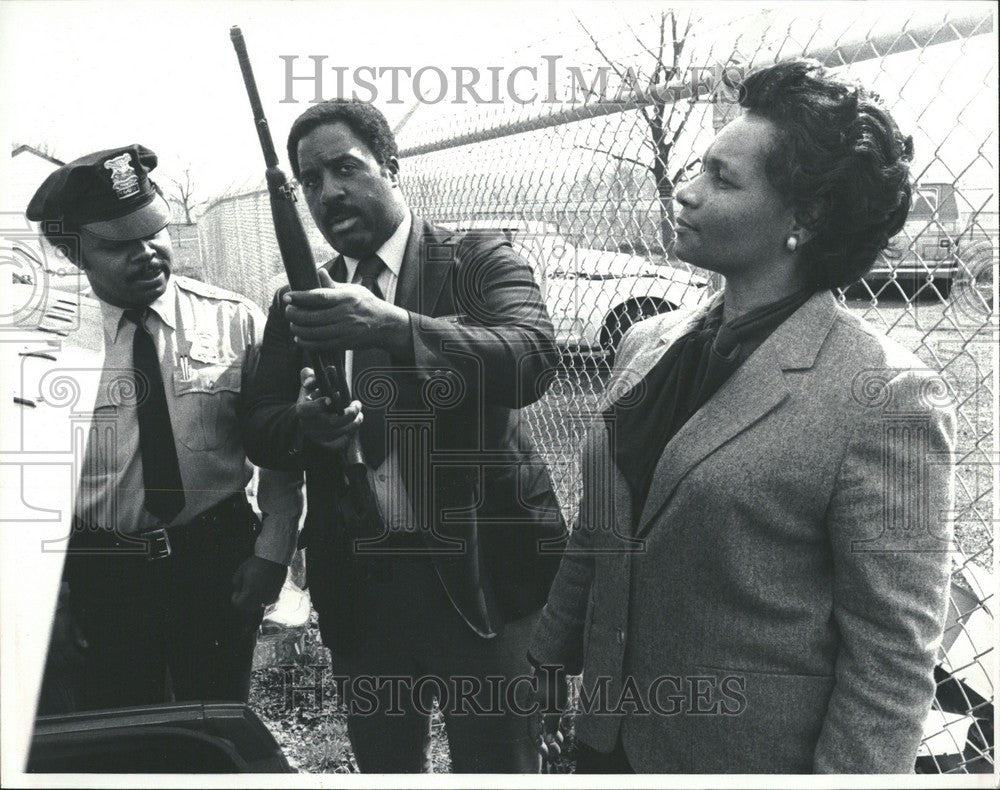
(296, 254)
(300, 266)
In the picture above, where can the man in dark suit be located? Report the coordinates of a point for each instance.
(442, 337)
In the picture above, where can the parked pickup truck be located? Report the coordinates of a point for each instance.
(945, 245)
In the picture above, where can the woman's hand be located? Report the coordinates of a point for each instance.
(548, 703)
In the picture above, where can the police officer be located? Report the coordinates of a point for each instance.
(168, 569)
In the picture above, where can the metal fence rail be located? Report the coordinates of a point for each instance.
(585, 190)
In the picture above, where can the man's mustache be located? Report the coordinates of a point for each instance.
(337, 213)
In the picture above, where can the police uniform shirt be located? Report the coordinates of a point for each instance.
(201, 335)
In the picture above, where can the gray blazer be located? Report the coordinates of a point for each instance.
(780, 604)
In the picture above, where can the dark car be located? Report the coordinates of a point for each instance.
(194, 737)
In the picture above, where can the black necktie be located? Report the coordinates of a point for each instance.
(368, 272)
(161, 473)
(373, 434)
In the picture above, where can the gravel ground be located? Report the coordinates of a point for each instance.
(949, 337)
(312, 733)
(313, 736)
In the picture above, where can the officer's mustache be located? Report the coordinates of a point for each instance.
(145, 268)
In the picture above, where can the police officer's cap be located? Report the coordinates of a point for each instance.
(109, 193)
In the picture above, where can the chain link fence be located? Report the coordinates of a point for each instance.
(583, 186)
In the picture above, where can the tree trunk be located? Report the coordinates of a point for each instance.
(665, 197)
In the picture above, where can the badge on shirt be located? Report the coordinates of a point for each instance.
(203, 348)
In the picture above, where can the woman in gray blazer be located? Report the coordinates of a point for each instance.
(758, 578)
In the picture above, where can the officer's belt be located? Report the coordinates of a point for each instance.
(158, 544)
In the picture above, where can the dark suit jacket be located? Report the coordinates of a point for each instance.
(795, 541)
(483, 347)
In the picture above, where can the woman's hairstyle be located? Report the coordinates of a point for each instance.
(362, 118)
(840, 162)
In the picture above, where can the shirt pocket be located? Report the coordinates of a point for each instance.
(206, 387)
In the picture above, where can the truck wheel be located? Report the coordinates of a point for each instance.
(972, 290)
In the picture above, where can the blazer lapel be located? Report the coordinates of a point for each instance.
(337, 269)
(423, 273)
(633, 371)
(755, 389)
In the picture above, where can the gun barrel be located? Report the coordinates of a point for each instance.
(301, 269)
(263, 130)
(296, 254)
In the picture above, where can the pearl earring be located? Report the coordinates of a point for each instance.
(792, 243)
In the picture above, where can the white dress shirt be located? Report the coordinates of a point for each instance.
(386, 481)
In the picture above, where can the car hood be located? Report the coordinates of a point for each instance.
(65, 317)
(607, 265)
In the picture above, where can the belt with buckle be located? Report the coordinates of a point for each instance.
(159, 544)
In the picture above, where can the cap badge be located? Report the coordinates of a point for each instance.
(123, 178)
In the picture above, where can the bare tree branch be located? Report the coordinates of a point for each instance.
(597, 47)
(645, 47)
(183, 193)
(608, 60)
(613, 155)
(665, 120)
(679, 129)
(682, 170)
(659, 52)
(677, 44)
(649, 144)
(660, 105)
(694, 96)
